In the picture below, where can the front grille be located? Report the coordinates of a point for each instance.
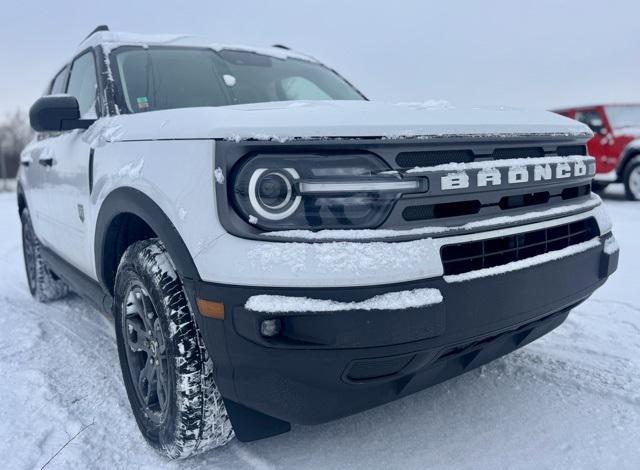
(433, 158)
(576, 191)
(439, 157)
(473, 206)
(439, 211)
(471, 256)
(524, 200)
(566, 150)
(520, 152)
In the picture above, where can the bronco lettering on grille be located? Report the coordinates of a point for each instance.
(515, 175)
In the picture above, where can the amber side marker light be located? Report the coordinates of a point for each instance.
(211, 309)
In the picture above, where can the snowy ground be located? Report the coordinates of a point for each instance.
(569, 400)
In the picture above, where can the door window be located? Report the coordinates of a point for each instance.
(83, 85)
(593, 119)
(57, 86)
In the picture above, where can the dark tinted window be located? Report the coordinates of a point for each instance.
(164, 78)
(83, 84)
(593, 119)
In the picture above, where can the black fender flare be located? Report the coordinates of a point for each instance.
(127, 200)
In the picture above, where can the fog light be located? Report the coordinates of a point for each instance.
(270, 328)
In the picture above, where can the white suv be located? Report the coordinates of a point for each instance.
(277, 249)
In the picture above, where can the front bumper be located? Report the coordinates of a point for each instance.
(257, 263)
(327, 365)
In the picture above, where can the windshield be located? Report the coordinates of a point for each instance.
(166, 78)
(621, 117)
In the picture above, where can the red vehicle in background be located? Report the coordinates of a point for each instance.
(615, 145)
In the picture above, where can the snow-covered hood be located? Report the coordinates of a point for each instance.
(282, 121)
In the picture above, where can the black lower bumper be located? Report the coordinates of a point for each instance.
(324, 366)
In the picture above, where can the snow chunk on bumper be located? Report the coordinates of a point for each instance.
(611, 246)
(392, 301)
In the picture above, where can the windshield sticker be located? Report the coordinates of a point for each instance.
(143, 102)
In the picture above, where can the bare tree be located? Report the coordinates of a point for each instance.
(15, 133)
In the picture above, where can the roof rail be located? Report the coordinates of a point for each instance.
(102, 27)
(281, 46)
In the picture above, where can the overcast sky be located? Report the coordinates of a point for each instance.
(540, 54)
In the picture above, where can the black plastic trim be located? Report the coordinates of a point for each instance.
(92, 152)
(250, 425)
(126, 200)
(97, 29)
(79, 282)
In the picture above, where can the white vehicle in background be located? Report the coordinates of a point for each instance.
(277, 249)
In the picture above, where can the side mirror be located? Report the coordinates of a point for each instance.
(57, 113)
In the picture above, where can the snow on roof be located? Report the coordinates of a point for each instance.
(110, 40)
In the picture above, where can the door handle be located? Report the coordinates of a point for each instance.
(46, 161)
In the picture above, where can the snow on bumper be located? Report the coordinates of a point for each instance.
(242, 262)
(416, 298)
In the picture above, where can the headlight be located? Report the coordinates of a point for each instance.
(317, 192)
(271, 193)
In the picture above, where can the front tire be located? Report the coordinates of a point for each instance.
(44, 285)
(167, 371)
(632, 179)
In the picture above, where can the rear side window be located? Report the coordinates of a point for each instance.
(59, 82)
(83, 85)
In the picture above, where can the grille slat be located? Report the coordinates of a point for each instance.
(473, 206)
(519, 152)
(438, 157)
(465, 257)
(565, 150)
(433, 157)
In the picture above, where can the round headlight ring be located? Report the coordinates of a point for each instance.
(281, 210)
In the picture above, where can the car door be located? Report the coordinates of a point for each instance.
(35, 165)
(68, 178)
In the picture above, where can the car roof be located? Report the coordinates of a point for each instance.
(110, 40)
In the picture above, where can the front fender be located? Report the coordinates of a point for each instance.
(126, 200)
